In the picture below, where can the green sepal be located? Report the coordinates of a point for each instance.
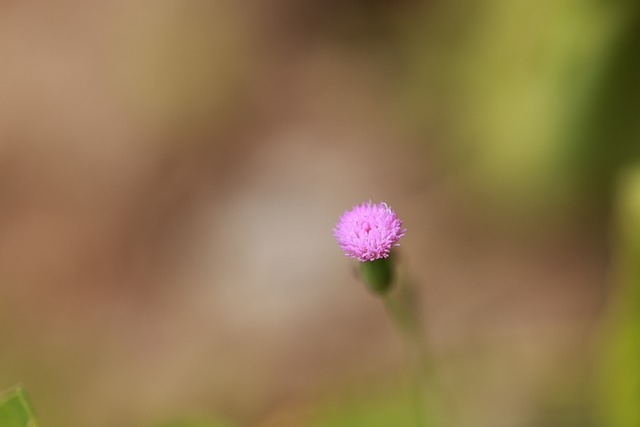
(378, 274)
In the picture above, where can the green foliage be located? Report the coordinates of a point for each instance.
(15, 410)
(542, 95)
(392, 408)
(619, 381)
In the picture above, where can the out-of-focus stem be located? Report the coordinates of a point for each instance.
(432, 405)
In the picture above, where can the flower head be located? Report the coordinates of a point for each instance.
(368, 231)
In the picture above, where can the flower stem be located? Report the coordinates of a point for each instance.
(403, 309)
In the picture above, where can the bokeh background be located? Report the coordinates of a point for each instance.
(171, 170)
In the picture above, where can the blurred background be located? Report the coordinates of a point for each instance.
(171, 171)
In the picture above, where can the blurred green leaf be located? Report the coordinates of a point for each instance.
(619, 380)
(15, 410)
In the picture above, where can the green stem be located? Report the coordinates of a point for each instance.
(431, 403)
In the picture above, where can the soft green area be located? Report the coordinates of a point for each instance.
(15, 410)
(619, 385)
(390, 408)
(194, 423)
(541, 97)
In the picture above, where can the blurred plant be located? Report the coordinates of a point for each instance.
(15, 410)
(379, 406)
(619, 379)
(537, 101)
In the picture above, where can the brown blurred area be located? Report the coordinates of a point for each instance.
(170, 172)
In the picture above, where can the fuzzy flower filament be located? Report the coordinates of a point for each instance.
(368, 231)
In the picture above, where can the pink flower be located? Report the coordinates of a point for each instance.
(368, 231)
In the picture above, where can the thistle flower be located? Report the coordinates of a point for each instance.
(368, 231)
